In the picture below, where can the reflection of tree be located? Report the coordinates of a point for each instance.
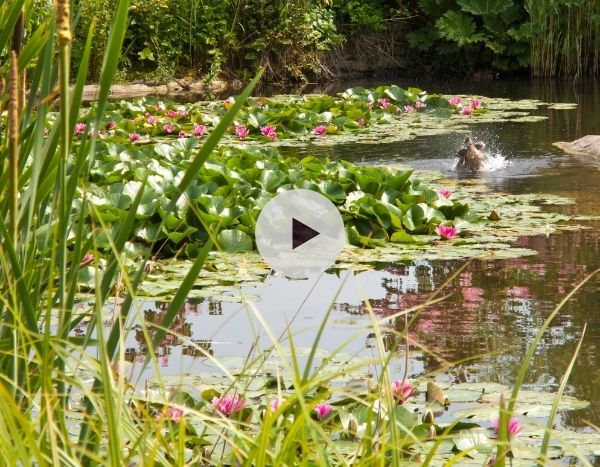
(180, 326)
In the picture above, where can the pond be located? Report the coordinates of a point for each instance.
(481, 331)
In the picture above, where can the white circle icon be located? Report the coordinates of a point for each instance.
(299, 233)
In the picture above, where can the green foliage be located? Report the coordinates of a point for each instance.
(362, 15)
(473, 34)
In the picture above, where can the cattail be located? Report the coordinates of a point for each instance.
(13, 141)
(63, 22)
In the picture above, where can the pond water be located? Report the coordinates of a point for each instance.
(482, 330)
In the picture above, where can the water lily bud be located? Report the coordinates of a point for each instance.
(428, 417)
(352, 426)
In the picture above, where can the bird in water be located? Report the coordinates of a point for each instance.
(470, 157)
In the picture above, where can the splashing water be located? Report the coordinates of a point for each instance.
(492, 162)
(495, 162)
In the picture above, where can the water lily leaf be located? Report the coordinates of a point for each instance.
(234, 240)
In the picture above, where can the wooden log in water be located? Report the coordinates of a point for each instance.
(180, 89)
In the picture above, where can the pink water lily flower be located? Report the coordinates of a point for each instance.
(420, 105)
(408, 108)
(228, 405)
(360, 122)
(199, 130)
(275, 404)
(168, 128)
(172, 113)
(151, 119)
(269, 131)
(475, 103)
(369, 105)
(446, 231)
(175, 413)
(323, 410)
(402, 390)
(514, 426)
(467, 110)
(242, 131)
(79, 128)
(134, 136)
(384, 103)
(456, 100)
(445, 192)
(182, 134)
(111, 126)
(182, 112)
(320, 130)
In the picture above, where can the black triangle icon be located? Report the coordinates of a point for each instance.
(301, 233)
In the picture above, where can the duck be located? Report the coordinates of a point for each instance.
(470, 157)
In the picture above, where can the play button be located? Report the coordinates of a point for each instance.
(299, 233)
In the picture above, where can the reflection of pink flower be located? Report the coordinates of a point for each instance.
(242, 131)
(269, 131)
(384, 102)
(175, 413)
(276, 403)
(420, 105)
(518, 292)
(182, 134)
(408, 108)
(467, 110)
(79, 128)
(323, 410)
(168, 128)
(402, 390)
(228, 405)
(360, 122)
(199, 130)
(514, 426)
(320, 130)
(455, 100)
(134, 136)
(475, 103)
(472, 294)
(111, 126)
(446, 231)
(445, 192)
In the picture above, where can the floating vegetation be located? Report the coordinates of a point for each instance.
(343, 401)
(493, 223)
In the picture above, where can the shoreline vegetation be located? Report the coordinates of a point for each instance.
(320, 40)
(73, 193)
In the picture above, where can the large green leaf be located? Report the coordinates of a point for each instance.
(485, 7)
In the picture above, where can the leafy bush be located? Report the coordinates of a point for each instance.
(473, 34)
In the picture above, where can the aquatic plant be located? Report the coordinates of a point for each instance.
(446, 231)
(228, 404)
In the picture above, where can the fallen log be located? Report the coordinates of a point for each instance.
(187, 90)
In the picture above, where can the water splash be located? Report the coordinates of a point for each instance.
(493, 162)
